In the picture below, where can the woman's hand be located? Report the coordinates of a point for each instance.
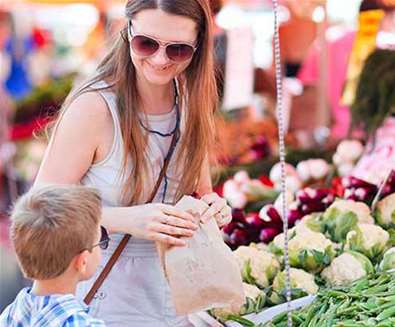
(218, 209)
(162, 223)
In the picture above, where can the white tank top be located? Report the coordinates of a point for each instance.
(106, 175)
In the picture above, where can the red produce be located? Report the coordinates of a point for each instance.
(338, 187)
(219, 189)
(294, 216)
(266, 180)
(238, 215)
(354, 182)
(254, 221)
(229, 228)
(268, 234)
(308, 195)
(270, 215)
(305, 209)
(239, 237)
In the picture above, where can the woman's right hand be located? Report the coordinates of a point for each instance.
(162, 223)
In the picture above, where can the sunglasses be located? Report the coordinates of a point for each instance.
(146, 46)
(104, 239)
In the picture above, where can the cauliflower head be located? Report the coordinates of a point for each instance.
(342, 216)
(385, 212)
(312, 222)
(257, 266)
(277, 245)
(300, 279)
(347, 268)
(369, 239)
(310, 251)
(388, 261)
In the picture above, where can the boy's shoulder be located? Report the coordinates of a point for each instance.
(68, 311)
(82, 319)
(14, 311)
(45, 311)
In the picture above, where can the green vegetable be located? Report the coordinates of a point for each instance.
(368, 302)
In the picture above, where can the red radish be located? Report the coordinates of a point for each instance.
(294, 216)
(253, 220)
(238, 237)
(268, 234)
(269, 214)
(229, 228)
(238, 215)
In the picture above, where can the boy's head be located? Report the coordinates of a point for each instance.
(56, 228)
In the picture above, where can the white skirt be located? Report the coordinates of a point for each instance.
(136, 292)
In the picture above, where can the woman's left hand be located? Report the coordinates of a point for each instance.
(218, 209)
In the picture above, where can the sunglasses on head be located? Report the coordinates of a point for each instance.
(146, 46)
(104, 239)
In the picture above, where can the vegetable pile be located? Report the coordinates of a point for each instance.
(368, 302)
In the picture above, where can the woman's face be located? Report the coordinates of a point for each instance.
(158, 69)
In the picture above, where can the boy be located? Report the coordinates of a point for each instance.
(57, 238)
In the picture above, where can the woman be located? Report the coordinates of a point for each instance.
(114, 134)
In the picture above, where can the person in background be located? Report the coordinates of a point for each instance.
(339, 48)
(18, 48)
(373, 112)
(297, 34)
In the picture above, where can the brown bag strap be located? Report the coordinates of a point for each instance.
(114, 257)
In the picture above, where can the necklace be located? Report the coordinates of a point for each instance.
(176, 108)
(175, 131)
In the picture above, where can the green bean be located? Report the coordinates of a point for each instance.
(386, 314)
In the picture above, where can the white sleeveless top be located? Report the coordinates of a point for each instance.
(136, 293)
(106, 176)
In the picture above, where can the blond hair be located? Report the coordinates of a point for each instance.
(51, 225)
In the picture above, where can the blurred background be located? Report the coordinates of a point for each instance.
(48, 46)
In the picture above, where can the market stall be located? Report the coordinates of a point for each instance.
(312, 229)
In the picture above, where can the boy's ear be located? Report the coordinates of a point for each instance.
(80, 262)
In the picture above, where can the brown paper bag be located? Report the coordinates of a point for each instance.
(203, 274)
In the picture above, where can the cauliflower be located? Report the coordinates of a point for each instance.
(342, 216)
(277, 245)
(312, 222)
(388, 261)
(257, 266)
(385, 212)
(299, 280)
(254, 302)
(310, 250)
(368, 239)
(347, 268)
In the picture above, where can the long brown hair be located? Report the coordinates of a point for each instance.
(197, 85)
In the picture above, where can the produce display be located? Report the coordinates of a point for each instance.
(368, 302)
(339, 249)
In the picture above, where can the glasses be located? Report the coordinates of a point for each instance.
(146, 46)
(104, 240)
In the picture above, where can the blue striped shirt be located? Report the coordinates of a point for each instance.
(47, 311)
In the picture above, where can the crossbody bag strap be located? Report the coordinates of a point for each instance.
(114, 257)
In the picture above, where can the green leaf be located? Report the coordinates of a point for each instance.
(246, 273)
